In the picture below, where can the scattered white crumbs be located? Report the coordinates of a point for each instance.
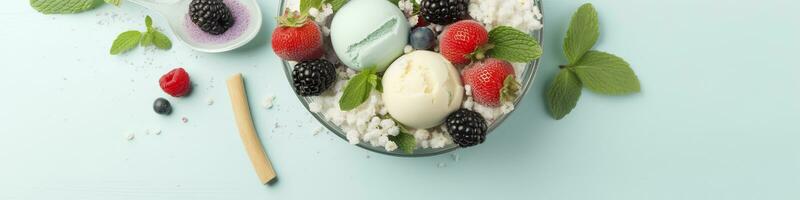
(317, 130)
(268, 101)
(408, 49)
(152, 131)
(441, 165)
(130, 136)
(276, 125)
(210, 101)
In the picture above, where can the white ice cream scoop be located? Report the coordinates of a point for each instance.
(247, 16)
(421, 88)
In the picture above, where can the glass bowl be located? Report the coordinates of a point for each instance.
(526, 80)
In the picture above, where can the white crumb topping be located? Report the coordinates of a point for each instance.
(315, 107)
(390, 146)
(520, 14)
(321, 16)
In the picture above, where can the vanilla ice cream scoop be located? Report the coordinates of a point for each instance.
(421, 88)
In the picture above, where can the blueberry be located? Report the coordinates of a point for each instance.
(422, 38)
(162, 106)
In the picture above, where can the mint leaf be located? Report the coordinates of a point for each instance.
(113, 2)
(308, 4)
(405, 141)
(125, 41)
(148, 22)
(513, 45)
(62, 6)
(336, 4)
(375, 80)
(130, 39)
(582, 33)
(563, 94)
(147, 39)
(161, 41)
(606, 73)
(357, 90)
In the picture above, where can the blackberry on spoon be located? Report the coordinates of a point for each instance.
(212, 16)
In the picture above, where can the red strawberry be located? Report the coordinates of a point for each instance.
(297, 38)
(176, 83)
(492, 81)
(464, 40)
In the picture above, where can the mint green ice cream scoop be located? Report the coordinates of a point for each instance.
(367, 33)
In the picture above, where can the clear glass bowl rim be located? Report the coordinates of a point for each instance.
(527, 80)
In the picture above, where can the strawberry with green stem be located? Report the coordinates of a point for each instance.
(489, 72)
(297, 37)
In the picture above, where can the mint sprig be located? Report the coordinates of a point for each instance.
(113, 2)
(62, 6)
(125, 41)
(601, 72)
(606, 73)
(336, 4)
(582, 34)
(512, 45)
(563, 94)
(67, 6)
(305, 5)
(405, 141)
(130, 39)
(358, 89)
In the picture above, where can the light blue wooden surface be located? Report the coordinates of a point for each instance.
(717, 118)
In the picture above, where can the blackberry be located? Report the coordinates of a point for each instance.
(468, 128)
(444, 12)
(313, 77)
(212, 16)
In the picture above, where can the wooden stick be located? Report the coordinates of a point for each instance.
(247, 131)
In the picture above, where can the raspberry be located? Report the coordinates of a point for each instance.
(176, 83)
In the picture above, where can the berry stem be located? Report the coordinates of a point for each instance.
(292, 19)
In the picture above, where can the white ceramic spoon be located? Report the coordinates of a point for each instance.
(175, 11)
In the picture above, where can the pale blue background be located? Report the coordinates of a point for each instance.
(717, 118)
